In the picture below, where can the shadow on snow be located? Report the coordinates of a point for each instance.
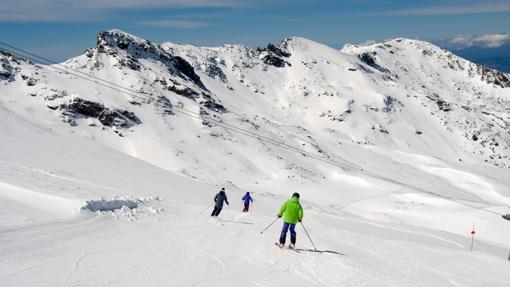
(232, 221)
(320, 251)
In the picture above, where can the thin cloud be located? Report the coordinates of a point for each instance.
(366, 43)
(476, 8)
(181, 24)
(485, 41)
(77, 10)
(163, 3)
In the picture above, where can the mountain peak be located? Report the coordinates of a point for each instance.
(301, 44)
(115, 38)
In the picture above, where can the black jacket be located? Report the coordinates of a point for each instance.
(219, 199)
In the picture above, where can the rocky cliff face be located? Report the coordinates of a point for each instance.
(133, 49)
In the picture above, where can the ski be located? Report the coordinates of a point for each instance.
(283, 247)
(292, 248)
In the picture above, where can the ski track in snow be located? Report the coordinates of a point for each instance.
(167, 253)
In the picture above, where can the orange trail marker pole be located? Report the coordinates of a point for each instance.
(473, 232)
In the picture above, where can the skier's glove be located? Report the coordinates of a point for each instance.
(300, 220)
(279, 216)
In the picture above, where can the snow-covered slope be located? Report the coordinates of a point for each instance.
(160, 137)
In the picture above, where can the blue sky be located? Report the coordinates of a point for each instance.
(60, 29)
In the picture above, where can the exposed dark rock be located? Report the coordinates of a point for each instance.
(426, 53)
(56, 94)
(118, 39)
(441, 104)
(388, 104)
(6, 71)
(507, 217)
(273, 60)
(184, 91)
(178, 88)
(123, 45)
(89, 53)
(444, 106)
(119, 118)
(4, 75)
(184, 67)
(31, 82)
(475, 137)
(274, 56)
(165, 103)
(82, 108)
(369, 59)
(277, 51)
(492, 76)
(130, 63)
(203, 115)
(212, 105)
(110, 42)
(213, 71)
(383, 130)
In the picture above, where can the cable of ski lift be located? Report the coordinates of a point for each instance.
(140, 95)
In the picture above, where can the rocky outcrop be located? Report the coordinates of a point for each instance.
(111, 42)
(490, 76)
(274, 56)
(213, 70)
(79, 108)
(6, 70)
(178, 89)
(369, 59)
(210, 103)
(185, 68)
(441, 103)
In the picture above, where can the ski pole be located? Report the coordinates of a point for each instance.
(308, 236)
(270, 225)
(209, 206)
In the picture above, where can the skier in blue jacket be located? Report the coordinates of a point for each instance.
(246, 199)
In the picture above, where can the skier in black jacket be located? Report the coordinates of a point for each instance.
(219, 199)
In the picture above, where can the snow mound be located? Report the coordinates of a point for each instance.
(128, 207)
(32, 205)
(109, 205)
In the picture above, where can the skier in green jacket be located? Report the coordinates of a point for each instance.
(292, 212)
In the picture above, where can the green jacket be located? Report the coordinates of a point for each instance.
(291, 211)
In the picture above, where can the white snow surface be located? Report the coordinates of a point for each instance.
(92, 195)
